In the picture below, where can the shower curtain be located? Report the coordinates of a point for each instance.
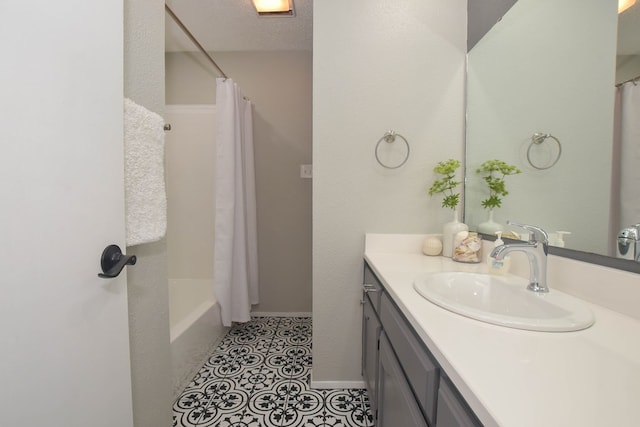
(629, 145)
(235, 267)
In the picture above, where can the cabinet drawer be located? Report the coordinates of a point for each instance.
(453, 411)
(372, 287)
(419, 367)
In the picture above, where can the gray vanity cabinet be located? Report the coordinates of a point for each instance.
(371, 327)
(418, 365)
(406, 385)
(452, 410)
(397, 406)
(370, 335)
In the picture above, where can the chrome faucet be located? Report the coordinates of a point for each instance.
(536, 249)
(628, 243)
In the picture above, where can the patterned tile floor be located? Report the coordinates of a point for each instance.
(259, 377)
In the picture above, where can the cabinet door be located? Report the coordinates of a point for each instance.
(422, 371)
(397, 406)
(452, 410)
(370, 333)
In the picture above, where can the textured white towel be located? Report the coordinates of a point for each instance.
(145, 193)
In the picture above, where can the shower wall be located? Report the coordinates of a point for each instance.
(279, 86)
(190, 154)
(194, 315)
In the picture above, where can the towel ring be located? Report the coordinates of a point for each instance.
(537, 139)
(390, 137)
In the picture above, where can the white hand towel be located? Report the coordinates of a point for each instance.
(145, 193)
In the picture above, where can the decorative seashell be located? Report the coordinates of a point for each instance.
(432, 246)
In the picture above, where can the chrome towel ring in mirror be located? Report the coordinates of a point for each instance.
(537, 139)
(390, 137)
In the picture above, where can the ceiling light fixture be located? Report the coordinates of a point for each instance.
(625, 4)
(274, 7)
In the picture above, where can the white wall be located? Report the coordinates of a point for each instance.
(147, 282)
(378, 65)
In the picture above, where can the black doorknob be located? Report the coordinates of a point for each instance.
(113, 261)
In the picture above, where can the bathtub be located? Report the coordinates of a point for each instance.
(196, 328)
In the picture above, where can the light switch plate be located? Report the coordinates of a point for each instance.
(305, 171)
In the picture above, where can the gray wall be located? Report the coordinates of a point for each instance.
(279, 86)
(147, 281)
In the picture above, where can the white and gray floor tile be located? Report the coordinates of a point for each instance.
(258, 376)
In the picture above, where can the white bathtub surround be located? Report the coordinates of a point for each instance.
(512, 377)
(187, 296)
(193, 345)
(235, 267)
(194, 315)
(145, 193)
(196, 328)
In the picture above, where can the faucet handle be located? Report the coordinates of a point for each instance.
(537, 233)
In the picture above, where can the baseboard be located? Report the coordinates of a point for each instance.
(336, 384)
(280, 314)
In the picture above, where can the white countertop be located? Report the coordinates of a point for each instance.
(517, 378)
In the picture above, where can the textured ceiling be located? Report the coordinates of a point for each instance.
(629, 31)
(234, 25)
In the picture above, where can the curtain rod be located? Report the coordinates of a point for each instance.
(193, 39)
(628, 81)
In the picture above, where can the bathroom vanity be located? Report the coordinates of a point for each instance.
(427, 366)
(406, 385)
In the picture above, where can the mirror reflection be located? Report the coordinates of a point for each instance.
(541, 96)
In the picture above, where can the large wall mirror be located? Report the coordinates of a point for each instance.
(541, 96)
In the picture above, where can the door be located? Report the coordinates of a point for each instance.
(64, 331)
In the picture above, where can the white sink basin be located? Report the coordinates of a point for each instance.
(504, 301)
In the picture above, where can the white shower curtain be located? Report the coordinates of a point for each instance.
(629, 134)
(235, 267)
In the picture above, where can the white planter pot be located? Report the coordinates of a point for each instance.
(449, 231)
(490, 227)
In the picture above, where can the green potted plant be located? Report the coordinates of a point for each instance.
(494, 173)
(446, 184)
